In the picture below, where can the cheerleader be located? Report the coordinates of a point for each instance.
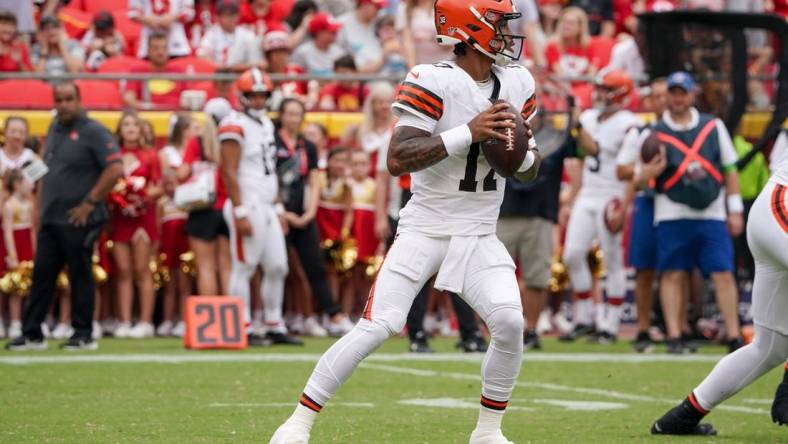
(174, 243)
(19, 236)
(133, 225)
(362, 188)
(335, 211)
(183, 128)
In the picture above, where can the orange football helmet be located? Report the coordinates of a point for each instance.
(616, 84)
(254, 81)
(482, 25)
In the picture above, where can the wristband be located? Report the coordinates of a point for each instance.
(528, 162)
(240, 212)
(457, 140)
(279, 208)
(735, 204)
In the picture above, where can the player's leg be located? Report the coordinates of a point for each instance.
(735, 371)
(491, 289)
(580, 234)
(410, 262)
(615, 281)
(780, 404)
(245, 258)
(274, 263)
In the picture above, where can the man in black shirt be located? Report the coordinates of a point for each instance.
(84, 164)
(528, 215)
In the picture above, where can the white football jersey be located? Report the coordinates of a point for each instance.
(460, 195)
(599, 172)
(257, 167)
(778, 161)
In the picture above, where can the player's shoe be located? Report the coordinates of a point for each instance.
(578, 331)
(690, 344)
(288, 433)
(418, 344)
(79, 344)
(473, 344)
(278, 338)
(531, 340)
(257, 340)
(488, 437)
(21, 343)
(643, 343)
(603, 338)
(682, 420)
(780, 404)
(676, 347)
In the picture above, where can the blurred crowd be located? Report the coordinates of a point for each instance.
(153, 254)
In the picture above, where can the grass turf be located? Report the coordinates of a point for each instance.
(243, 402)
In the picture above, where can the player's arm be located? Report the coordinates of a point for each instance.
(733, 195)
(413, 149)
(533, 160)
(230, 155)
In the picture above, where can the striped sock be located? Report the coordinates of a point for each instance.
(493, 405)
(490, 414)
(693, 407)
(309, 403)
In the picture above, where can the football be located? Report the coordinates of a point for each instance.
(650, 147)
(613, 206)
(505, 157)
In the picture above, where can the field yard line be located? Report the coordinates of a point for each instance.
(549, 386)
(284, 404)
(602, 358)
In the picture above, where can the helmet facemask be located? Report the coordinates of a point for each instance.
(504, 47)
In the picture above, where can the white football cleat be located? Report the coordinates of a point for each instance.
(288, 433)
(141, 330)
(488, 437)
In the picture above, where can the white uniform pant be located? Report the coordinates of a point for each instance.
(486, 282)
(266, 248)
(586, 223)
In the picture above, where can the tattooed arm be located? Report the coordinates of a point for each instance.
(412, 149)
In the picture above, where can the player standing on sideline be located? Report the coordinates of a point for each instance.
(248, 159)
(448, 227)
(767, 235)
(600, 135)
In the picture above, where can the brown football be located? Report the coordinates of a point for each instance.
(650, 147)
(505, 157)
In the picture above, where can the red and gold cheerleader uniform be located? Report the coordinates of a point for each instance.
(364, 217)
(174, 241)
(332, 207)
(133, 213)
(22, 227)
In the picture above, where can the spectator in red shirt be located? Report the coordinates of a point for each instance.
(227, 45)
(343, 95)
(262, 15)
(204, 17)
(13, 52)
(569, 51)
(163, 16)
(276, 48)
(150, 94)
(298, 20)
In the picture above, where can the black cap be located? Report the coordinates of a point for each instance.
(227, 6)
(103, 20)
(48, 20)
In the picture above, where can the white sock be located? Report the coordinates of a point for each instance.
(613, 318)
(303, 418)
(599, 317)
(489, 419)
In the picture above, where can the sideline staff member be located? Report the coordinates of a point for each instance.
(84, 164)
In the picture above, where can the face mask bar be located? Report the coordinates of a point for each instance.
(505, 43)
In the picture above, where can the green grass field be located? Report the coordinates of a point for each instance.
(155, 392)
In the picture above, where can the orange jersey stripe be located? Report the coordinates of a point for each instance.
(416, 105)
(779, 211)
(231, 129)
(436, 103)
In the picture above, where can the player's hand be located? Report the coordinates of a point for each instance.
(655, 167)
(735, 224)
(78, 216)
(243, 227)
(484, 126)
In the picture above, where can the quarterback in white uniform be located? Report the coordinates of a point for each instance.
(767, 236)
(601, 134)
(256, 235)
(448, 227)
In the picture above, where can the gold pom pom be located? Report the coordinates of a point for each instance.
(188, 264)
(62, 282)
(596, 262)
(373, 266)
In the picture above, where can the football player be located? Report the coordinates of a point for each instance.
(248, 159)
(767, 235)
(598, 212)
(448, 227)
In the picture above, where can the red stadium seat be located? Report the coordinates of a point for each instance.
(75, 21)
(100, 94)
(192, 65)
(120, 64)
(129, 28)
(94, 6)
(26, 94)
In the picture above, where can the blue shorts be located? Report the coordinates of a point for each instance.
(686, 244)
(643, 238)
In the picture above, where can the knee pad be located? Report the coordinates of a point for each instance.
(506, 325)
